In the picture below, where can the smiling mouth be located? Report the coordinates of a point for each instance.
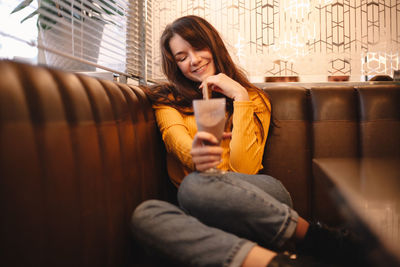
(200, 69)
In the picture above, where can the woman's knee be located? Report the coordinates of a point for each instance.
(187, 191)
(283, 194)
(150, 211)
(196, 191)
(273, 187)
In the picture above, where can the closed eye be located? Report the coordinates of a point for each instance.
(180, 59)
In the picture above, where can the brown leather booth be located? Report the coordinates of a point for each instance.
(78, 154)
(328, 121)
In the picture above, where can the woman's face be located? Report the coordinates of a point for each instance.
(195, 64)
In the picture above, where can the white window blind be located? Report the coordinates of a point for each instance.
(91, 30)
(139, 43)
(88, 35)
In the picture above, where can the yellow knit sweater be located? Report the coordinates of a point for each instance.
(242, 153)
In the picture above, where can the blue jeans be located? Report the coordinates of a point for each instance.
(220, 219)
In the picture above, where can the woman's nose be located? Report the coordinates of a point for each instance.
(195, 59)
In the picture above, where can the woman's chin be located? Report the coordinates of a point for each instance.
(203, 77)
(199, 78)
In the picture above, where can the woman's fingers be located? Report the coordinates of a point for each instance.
(206, 152)
(206, 161)
(206, 157)
(218, 83)
(206, 166)
(202, 138)
(227, 86)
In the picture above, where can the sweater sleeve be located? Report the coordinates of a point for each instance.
(251, 121)
(175, 134)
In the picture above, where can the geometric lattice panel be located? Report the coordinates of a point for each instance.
(313, 38)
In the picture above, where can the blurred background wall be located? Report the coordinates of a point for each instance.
(310, 39)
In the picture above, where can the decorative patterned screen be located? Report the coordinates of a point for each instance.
(310, 39)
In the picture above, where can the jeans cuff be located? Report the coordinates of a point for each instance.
(240, 251)
(289, 227)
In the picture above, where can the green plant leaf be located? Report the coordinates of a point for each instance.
(111, 7)
(30, 15)
(42, 25)
(22, 5)
(74, 8)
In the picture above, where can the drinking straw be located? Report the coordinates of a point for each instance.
(205, 92)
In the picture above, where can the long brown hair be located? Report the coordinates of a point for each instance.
(180, 91)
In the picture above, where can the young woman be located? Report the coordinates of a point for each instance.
(229, 219)
(194, 55)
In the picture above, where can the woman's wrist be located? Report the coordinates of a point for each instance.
(241, 96)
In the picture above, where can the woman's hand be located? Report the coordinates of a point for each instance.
(225, 85)
(206, 151)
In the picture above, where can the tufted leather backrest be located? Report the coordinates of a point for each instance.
(335, 133)
(287, 154)
(328, 121)
(379, 120)
(77, 154)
